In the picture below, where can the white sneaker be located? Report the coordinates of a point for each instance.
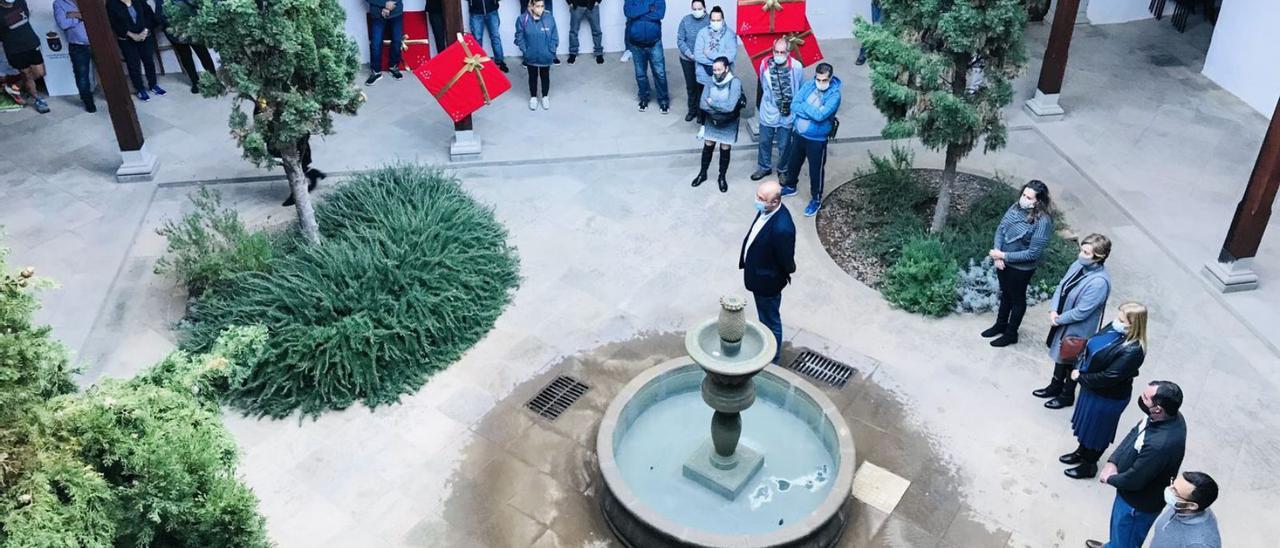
(533, 103)
(546, 103)
(626, 55)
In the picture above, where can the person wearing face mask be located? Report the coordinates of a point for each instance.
(1021, 237)
(537, 38)
(713, 42)
(1187, 521)
(780, 78)
(722, 103)
(815, 107)
(1105, 374)
(768, 257)
(1143, 464)
(686, 39)
(1078, 301)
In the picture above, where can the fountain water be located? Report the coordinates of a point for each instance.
(775, 472)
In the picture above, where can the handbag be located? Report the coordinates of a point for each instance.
(835, 126)
(721, 120)
(1071, 349)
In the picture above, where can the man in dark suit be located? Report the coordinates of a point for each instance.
(1144, 464)
(768, 256)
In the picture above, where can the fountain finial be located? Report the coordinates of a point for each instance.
(732, 324)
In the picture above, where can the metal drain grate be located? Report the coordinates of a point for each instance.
(556, 397)
(816, 366)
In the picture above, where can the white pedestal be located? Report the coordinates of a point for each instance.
(1044, 107)
(465, 146)
(1231, 277)
(137, 166)
(753, 127)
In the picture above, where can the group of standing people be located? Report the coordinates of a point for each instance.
(1103, 360)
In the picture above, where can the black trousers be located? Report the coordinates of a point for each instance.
(436, 22)
(691, 86)
(1013, 297)
(183, 50)
(136, 53)
(82, 66)
(536, 74)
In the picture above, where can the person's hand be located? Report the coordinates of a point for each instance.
(390, 5)
(996, 254)
(1075, 374)
(999, 264)
(1107, 471)
(74, 14)
(1053, 318)
(386, 13)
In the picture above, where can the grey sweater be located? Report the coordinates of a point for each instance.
(1173, 530)
(1022, 242)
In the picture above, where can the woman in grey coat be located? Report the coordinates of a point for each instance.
(1079, 301)
(720, 104)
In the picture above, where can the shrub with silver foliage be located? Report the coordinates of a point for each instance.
(978, 290)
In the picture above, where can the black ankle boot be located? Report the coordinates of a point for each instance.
(1085, 470)
(1065, 398)
(1074, 457)
(994, 330)
(1006, 340)
(724, 167)
(1055, 385)
(707, 151)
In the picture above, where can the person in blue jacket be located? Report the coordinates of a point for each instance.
(815, 108)
(644, 41)
(387, 15)
(537, 38)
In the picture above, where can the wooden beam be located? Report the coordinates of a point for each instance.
(453, 27)
(1054, 67)
(106, 56)
(1254, 210)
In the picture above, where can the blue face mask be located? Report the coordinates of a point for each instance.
(761, 207)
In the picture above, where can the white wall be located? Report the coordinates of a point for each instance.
(1102, 12)
(1242, 57)
(830, 19)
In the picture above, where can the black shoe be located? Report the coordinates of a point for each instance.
(665, 109)
(1093, 543)
(90, 107)
(1073, 457)
(862, 60)
(288, 201)
(644, 105)
(503, 67)
(573, 58)
(372, 78)
(724, 185)
(701, 178)
(313, 178)
(993, 331)
(599, 59)
(1059, 402)
(1086, 470)
(1051, 391)
(760, 174)
(689, 117)
(395, 73)
(555, 61)
(195, 88)
(1005, 340)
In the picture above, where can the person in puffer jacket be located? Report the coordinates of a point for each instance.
(815, 109)
(644, 41)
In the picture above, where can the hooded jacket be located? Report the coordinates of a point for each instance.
(644, 21)
(813, 122)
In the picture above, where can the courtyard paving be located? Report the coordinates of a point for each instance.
(618, 254)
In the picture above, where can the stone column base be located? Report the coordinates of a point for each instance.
(137, 166)
(753, 128)
(465, 146)
(1231, 277)
(1044, 107)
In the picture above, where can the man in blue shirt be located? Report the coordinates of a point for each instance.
(644, 41)
(67, 14)
(815, 109)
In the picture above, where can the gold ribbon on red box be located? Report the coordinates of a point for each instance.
(448, 79)
(470, 63)
(780, 19)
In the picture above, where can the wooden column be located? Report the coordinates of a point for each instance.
(1233, 269)
(137, 163)
(1054, 67)
(466, 143)
(453, 27)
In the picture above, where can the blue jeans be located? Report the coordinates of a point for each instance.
(816, 153)
(396, 26)
(875, 18)
(769, 310)
(82, 66)
(592, 15)
(645, 58)
(480, 21)
(764, 158)
(1129, 526)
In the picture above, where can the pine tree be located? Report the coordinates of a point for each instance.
(292, 60)
(922, 58)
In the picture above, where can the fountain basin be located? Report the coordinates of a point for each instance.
(800, 497)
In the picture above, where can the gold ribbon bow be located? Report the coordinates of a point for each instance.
(770, 6)
(404, 43)
(470, 63)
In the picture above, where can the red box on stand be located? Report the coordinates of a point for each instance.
(415, 48)
(771, 16)
(803, 46)
(462, 78)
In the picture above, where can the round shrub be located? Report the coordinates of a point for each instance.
(410, 273)
(923, 280)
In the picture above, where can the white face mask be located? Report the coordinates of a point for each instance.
(717, 25)
(1171, 498)
(699, 14)
(1025, 203)
(822, 86)
(780, 58)
(1121, 328)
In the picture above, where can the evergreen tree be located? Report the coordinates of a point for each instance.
(941, 70)
(293, 61)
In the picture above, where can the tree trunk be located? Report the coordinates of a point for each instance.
(944, 190)
(302, 199)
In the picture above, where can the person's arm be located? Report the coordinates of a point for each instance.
(60, 17)
(1092, 296)
(1120, 370)
(118, 27)
(1151, 461)
(682, 40)
(657, 10)
(830, 104)
(555, 34)
(1039, 241)
(729, 46)
(784, 254)
(995, 241)
(800, 104)
(520, 33)
(634, 9)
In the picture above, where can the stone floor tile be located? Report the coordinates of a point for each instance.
(971, 530)
(932, 501)
(900, 533)
(878, 488)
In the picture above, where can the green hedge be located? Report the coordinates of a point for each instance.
(411, 273)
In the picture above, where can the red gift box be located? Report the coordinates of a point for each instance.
(771, 16)
(803, 46)
(462, 78)
(415, 48)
